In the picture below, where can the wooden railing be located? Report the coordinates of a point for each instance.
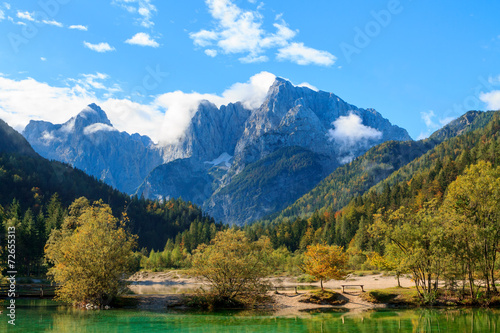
(29, 290)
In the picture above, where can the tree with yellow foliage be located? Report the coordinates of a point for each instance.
(91, 254)
(234, 266)
(325, 262)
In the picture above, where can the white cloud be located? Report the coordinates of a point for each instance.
(28, 99)
(48, 137)
(180, 107)
(142, 39)
(143, 8)
(204, 37)
(427, 118)
(350, 130)
(91, 129)
(164, 119)
(2, 15)
(78, 27)
(240, 31)
(25, 100)
(303, 55)
(26, 16)
(494, 79)
(43, 59)
(446, 121)
(252, 93)
(101, 47)
(211, 53)
(92, 80)
(15, 22)
(53, 22)
(308, 85)
(431, 124)
(6, 5)
(492, 99)
(423, 135)
(252, 58)
(97, 81)
(31, 17)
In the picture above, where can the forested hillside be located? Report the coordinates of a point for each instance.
(35, 194)
(381, 161)
(423, 179)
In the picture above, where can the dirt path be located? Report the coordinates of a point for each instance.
(289, 304)
(164, 290)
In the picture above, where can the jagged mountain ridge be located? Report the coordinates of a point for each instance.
(290, 117)
(219, 144)
(299, 116)
(89, 142)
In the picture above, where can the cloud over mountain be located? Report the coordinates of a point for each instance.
(164, 118)
(241, 31)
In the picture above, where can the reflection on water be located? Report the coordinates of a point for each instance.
(47, 316)
(158, 288)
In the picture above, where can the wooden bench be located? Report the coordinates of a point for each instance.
(352, 285)
(288, 287)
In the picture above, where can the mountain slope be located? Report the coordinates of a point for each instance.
(289, 117)
(380, 162)
(90, 143)
(222, 145)
(12, 142)
(425, 178)
(33, 180)
(269, 184)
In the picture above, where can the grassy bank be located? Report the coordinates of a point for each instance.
(409, 297)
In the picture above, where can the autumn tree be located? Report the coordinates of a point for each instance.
(325, 262)
(234, 266)
(472, 208)
(91, 254)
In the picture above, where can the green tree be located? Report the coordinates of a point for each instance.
(472, 205)
(90, 254)
(234, 266)
(392, 260)
(421, 238)
(325, 262)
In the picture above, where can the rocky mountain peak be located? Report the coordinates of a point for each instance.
(90, 115)
(89, 142)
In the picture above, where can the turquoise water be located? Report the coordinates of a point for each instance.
(47, 316)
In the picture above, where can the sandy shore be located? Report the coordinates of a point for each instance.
(166, 289)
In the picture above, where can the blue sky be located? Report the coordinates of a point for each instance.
(149, 62)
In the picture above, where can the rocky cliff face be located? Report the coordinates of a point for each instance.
(240, 164)
(299, 116)
(212, 132)
(89, 142)
(258, 161)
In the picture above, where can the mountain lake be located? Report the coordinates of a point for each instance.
(33, 315)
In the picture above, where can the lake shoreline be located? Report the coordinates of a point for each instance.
(152, 292)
